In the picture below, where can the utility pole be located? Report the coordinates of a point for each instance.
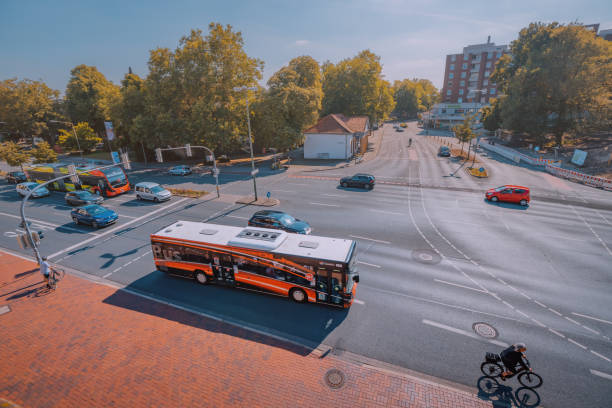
(246, 94)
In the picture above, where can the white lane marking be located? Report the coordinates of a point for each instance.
(524, 314)
(600, 374)
(554, 311)
(576, 343)
(541, 304)
(332, 195)
(126, 216)
(592, 318)
(45, 224)
(107, 275)
(604, 218)
(592, 230)
(571, 320)
(329, 322)
(298, 184)
(460, 286)
(386, 212)
(463, 332)
(237, 216)
(326, 205)
(359, 302)
(525, 295)
(556, 332)
(369, 239)
(600, 356)
(118, 227)
(369, 264)
(538, 322)
(589, 329)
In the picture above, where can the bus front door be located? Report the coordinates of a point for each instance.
(223, 269)
(329, 286)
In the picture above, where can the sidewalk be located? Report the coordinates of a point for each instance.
(92, 345)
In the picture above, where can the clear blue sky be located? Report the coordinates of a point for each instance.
(44, 40)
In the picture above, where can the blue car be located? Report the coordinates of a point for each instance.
(94, 215)
(279, 220)
(180, 170)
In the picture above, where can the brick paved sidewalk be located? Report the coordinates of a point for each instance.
(92, 345)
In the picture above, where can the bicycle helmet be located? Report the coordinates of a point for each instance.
(519, 346)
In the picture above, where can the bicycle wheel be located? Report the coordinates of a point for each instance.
(58, 274)
(530, 380)
(488, 386)
(491, 369)
(527, 397)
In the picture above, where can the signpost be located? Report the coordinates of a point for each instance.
(254, 172)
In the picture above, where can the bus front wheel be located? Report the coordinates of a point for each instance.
(297, 295)
(201, 277)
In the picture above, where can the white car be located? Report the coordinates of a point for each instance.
(24, 188)
(181, 170)
(151, 191)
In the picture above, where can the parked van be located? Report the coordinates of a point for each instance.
(151, 191)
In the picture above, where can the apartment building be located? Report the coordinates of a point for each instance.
(467, 75)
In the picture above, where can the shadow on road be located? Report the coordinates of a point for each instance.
(502, 396)
(266, 319)
(509, 206)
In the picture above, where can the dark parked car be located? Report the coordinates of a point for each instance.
(279, 220)
(444, 151)
(359, 180)
(82, 197)
(94, 215)
(15, 177)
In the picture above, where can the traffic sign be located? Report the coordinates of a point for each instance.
(215, 171)
(254, 172)
(481, 169)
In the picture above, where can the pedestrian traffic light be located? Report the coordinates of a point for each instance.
(188, 150)
(125, 160)
(158, 155)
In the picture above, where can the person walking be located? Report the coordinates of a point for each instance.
(45, 269)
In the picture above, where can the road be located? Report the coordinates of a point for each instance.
(434, 259)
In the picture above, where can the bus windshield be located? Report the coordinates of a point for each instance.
(115, 176)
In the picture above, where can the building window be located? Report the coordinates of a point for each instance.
(461, 83)
(449, 92)
(464, 66)
(487, 73)
(463, 75)
(492, 91)
(499, 54)
(459, 100)
(453, 58)
(488, 64)
(489, 55)
(452, 67)
(461, 91)
(450, 84)
(451, 75)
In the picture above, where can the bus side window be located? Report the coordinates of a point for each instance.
(337, 280)
(157, 251)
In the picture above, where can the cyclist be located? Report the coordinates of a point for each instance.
(410, 142)
(45, 269)
(513, 356)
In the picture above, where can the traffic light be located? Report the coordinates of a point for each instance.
(158, 155)
(125, 160)
(188, 150)
(73, 174)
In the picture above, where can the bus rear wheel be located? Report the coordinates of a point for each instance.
(297, 295)
(201, 277)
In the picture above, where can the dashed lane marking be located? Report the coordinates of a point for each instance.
(368, 264)
(326, 205)
(601, 241)
(592, 318)
(556, 332)
(463, 332)
(600, 374)
(237, 216)
(460, 286)
(49, 224)
(576, 343)
(359, 302)
(601, 356)
(555, 312)
(370, 239)
(387, 212)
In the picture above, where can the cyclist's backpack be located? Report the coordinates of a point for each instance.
(492, 358)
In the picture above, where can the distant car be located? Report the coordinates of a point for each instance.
(15, 177)
(403, 125)
(399, 129)
(444, 151)
(151, 191)
(181, 170)
(279, 220)
(94, 215)
(82, 197)
(375, 127)
(24, 188)
(395, 126)
(509, 194)
(362, 180)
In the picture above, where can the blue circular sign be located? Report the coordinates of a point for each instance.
(481, 169)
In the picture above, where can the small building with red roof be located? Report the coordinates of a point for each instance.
(335, 136)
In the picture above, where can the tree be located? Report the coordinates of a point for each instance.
(129, 109)
(557, 80)
(90, 97)
(290, 105)
(86, 135)
(355, 87)
(491, 116)
(464, 131)
(413, 96)
(44, 154)
(26, 107)
(13, 154)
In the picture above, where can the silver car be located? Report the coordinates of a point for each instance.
(24, 188)
(181, 170)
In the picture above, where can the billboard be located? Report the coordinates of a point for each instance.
(579, 157)
(110, 133)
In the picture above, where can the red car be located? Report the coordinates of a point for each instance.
(509, 193)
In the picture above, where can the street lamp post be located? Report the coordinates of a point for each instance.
(246, 94)
(75, 134)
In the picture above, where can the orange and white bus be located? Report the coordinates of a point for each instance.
(305, 268)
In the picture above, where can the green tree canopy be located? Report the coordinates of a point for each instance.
(87, 138)
(11, 153)
(290, 105)
(129, 110)
(44, 154)
(356, 87)
(413, 96)
(26, 106)
(491, 116)
(464, 131)
(557, 80)
(90, 97)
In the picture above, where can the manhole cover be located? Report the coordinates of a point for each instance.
(426, 256)
(484, 330)
(334, 378)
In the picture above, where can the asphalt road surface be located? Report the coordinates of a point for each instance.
(435, 259)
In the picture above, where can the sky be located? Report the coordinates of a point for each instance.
(44, 40)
